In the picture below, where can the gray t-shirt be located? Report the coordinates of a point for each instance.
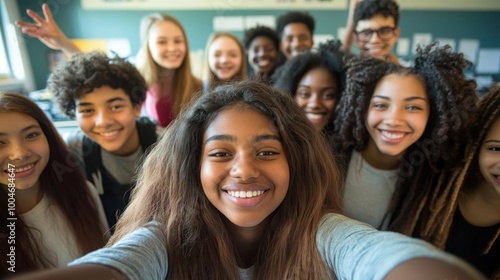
(368, 192)
(351, 250)
(121, 168)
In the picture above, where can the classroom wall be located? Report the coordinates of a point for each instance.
(91, 24)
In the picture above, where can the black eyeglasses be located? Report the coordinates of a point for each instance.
(384, 33)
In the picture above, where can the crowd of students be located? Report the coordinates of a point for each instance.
(282, 161)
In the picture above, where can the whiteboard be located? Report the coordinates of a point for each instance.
(214, 4)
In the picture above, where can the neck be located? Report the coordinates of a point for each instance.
(166, 78)
(392, 58)
(375, 158)
(28, 198)
(247, 240)
(480, 204)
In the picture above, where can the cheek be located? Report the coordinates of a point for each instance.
(211, 62)
(419, 124)
(302, 102)
(153, 49)
(330, 105)
(237, 62)
(84, 123)
(371, 118)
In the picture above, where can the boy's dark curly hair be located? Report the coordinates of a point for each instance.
(368, 8)
(295, 17)
(259, 31)
(328, 55)
(88, 71)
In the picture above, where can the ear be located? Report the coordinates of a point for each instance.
(137, 109)
(397, 32)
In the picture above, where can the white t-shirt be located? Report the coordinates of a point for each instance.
(53, 232)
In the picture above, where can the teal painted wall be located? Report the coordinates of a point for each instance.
(91, 24)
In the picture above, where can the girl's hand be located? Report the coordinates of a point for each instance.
(47, 31)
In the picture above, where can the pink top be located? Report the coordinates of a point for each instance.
(159, 106)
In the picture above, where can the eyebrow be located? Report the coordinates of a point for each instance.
(308, 86)
(406, 99)
(492, 141)
(107, 101)
(24, 129)
(230, 138)
(380, 27)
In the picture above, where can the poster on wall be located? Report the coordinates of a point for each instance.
(214, 4)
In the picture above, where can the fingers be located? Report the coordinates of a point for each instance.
(25, 25)
(47, 13)
(36, 17)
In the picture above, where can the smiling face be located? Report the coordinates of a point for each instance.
(296, 39)
(489, 159)
(24, 146)
(317, 93)
(107, 116)
(244, 171)
(376, 47)
(262, 55)
(167, 44)
(397, 115)
(225, 58)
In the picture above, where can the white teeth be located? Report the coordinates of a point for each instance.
(111, 133)
(263, 63)
(393, 135)
(245, 194)
(19, 170)
(314, 116)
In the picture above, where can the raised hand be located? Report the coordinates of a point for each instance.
(47, 31)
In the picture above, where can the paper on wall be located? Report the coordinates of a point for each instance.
(469, 47)
(488, 61)
(421, 39)
(403, 47)
(447, 41)
(228, 23)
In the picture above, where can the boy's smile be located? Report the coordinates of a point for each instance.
(107, 116)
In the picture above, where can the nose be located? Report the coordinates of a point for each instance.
(394, 117)
(244, 168)
(314, 101)
(170, 47)
(102, 119)
(295, 42)
(260, 52)
(223, 58)
(374, 37)
(18, 151)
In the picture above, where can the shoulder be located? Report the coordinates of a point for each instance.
(74, 140)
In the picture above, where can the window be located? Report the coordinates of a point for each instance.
(4, 63)
(15, 69)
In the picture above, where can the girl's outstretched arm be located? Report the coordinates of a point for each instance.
(426, 268)
(76, 272)
(47, 31)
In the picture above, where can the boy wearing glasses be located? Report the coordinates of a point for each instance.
(373, 24)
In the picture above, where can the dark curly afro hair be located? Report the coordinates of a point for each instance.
(88, 71)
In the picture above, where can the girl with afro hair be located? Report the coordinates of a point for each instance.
(398, 128)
